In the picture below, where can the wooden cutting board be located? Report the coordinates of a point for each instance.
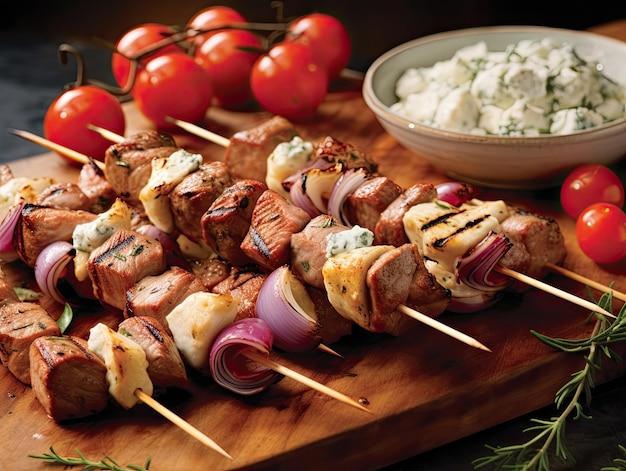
(424, 389)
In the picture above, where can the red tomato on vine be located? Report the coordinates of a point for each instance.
(327, 37)
(173, 85)
(134, 41)
(211, 18)
(287, 81)
(69, 114)
(228, 57)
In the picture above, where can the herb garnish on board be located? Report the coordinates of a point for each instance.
(571, 399)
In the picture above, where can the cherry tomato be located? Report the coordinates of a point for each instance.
(173, 85)
(328, 38)
(288, 82)
(226, 56)
(136, 40)
(601, 232)
(213, 17)
(588, 184)
(69, 114)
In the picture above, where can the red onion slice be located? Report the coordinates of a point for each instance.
(285, 305)
(50, 267)
(455, 193)
(475, 268)
(233, 370)
(300, 199)
(347, 183)
(318, 185)
(7, 228)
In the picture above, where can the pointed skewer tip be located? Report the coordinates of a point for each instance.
(181, 423)
(268, 363)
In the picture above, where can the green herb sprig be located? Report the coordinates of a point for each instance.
(106, 464)
(571, 398)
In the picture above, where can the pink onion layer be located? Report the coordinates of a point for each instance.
(7, 229)
(50, 267)
(475, 269)
(293, 332)
(347, 183)
(455, 193)
(234, 371)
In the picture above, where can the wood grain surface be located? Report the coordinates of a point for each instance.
(424, 388)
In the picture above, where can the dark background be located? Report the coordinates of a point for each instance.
(31, 76)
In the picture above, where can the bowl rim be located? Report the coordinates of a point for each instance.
(381, 109)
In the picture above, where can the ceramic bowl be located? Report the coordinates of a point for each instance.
(491, 160)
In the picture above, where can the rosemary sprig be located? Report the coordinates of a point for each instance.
(620, 463)
(106, 464)
(535, 453)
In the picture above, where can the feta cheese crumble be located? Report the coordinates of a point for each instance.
(532, 88)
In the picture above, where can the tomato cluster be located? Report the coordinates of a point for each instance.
(229, 64)
(593, 194)
(217, 59)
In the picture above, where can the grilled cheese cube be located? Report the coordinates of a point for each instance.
(345, 281)
(196, 321)
(443, 232)
(167, 172)
(287, 159)
(126, 362)
(91, 235)
(21, 189)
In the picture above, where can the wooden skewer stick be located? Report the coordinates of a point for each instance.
(200, 132)
(110, 135)
(47, 144)
(552, 290)
(429, 321)
(283, 370)
(178, 421)
(587, 281)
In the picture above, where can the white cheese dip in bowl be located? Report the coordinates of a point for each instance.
(524, 126)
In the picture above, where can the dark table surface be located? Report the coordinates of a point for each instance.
(30, 78)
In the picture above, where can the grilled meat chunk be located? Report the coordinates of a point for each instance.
(243, 284)
(165, 365)
(64, 196)
(210, 271)
(191, 198)
(38, 226)
(120, 262)
(274, 221)
(536, 240)
(389, 282)
(247, 153)
(20, 324)
(389, 228)
(308, 248)
(128, 164)
(7, 293)
(364, 206)
(67, 378)
(156, 295)
(95, 186)
(336, 151)
(333, 325)
(226, 222)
